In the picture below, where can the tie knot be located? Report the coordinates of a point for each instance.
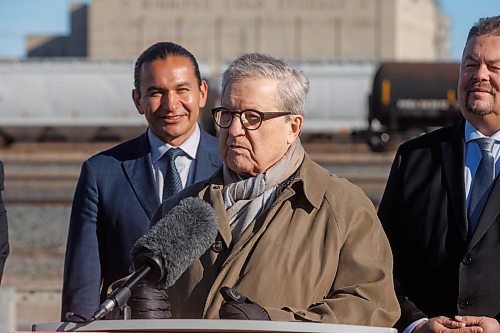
(172, 153)
(485, 144)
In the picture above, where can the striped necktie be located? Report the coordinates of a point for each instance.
(483, 180)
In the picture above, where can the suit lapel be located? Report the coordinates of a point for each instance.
(140, 175)
(489, 215)
(452, 150)
(207, 158)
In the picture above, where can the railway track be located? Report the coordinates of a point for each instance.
(44, 173)
(41, 174)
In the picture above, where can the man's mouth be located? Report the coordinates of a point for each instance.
(237, 146)
(482, 87)
(480, 91)
(171, 118)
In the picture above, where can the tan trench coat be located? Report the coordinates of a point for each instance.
(319, 254)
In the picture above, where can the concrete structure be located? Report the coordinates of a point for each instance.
(7, 309)
(309, 30)
(74, 45)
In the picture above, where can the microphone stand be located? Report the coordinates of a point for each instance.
(119, 296)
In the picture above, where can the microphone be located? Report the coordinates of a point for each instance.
(168, 249)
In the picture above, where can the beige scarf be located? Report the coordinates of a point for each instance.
(244, 199)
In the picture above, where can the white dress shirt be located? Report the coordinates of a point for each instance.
(185, 164)
(473, 156)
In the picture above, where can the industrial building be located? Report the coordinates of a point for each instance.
(217, 31)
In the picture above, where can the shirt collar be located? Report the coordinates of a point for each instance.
(160, 147)
(471, 133)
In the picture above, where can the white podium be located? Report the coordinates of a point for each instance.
(207, 325)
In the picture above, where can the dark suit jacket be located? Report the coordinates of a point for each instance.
(4, 234)
(439, 271)
(114, 201)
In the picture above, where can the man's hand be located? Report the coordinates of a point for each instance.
(445, 325)
(488, 325)
(237, 306)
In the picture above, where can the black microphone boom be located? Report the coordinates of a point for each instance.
(120, 295)
(168, 249)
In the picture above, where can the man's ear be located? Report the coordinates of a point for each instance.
(295, 126)
(136, 97)
(203, 94)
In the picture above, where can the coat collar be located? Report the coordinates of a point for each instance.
(313, 190)
(490, 213)
(452, 152)
(140, 174)
(207, 155)
(491, 209)
(311, 178)
(453, 161)
(214, 197)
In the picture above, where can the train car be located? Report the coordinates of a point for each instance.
(69, 100)
(66, 99)
(84, 100)
(408, 99)
(337, 98)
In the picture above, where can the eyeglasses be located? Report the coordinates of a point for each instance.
(250, 119)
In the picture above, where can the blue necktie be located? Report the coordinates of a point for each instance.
(483, 180)
(172, 181)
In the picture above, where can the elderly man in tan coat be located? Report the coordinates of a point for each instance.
(297, 242)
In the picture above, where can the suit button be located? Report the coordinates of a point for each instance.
(464, 304)
(217, 247)
(466, 260)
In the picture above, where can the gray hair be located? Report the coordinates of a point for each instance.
(485, 26)
(292, 87)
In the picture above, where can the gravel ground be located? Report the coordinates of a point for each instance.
(37, 236)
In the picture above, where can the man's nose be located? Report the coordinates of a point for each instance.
(236, 127)
(482, 73)
(170, 101)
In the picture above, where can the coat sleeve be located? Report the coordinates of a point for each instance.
(82, 272)
(4, 234)
(362, 291)
(389, 215)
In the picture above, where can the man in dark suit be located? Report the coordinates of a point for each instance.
(120, 189)
(4, 234)
(446, 245)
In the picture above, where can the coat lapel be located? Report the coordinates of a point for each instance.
(207, 157)
(490, 213)
(452, 150)
(140, 175)
(215, 196)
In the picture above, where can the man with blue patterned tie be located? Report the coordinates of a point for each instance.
(120, 189)
(441, 206)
